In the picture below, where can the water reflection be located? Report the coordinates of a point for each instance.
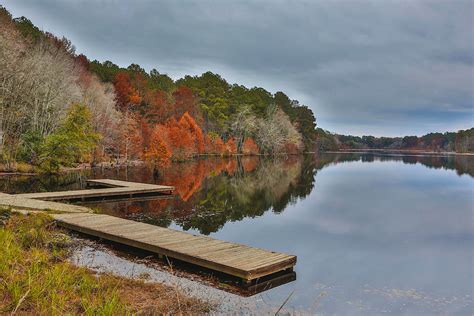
(211, 192)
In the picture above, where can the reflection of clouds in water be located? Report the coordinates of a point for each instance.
(365, 300)
(408, 202)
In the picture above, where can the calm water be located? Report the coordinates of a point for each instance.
(373, 233)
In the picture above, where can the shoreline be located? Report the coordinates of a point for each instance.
(131, 163)
(139, 163)
(399, 151)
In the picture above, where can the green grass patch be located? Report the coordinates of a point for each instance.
(35, 278)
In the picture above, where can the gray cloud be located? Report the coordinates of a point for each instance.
(364, 67)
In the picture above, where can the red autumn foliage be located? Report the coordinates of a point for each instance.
(249, 147)
(127, 95)
(179, 140)
(188, 123)
(214, 145)
(230, 147)
(185, 101)
(157, 151)
(160, 107)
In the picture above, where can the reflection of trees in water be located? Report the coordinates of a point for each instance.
(212, 191)
(234, 196)
(41, 183)
(462, 164)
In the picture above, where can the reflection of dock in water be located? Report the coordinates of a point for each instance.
(269, 282)
(136, 198)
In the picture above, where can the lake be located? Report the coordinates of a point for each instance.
(374, 232)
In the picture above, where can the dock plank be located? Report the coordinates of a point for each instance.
(238, 260)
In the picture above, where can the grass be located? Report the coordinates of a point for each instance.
(18, 167)
(35, 278)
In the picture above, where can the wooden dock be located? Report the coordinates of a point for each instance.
(241, 261)
(110, 188)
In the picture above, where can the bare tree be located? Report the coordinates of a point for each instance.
(276, 131)
(100, 99)
(244, 124)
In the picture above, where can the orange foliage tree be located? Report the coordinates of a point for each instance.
(185, 101)
(214, 144)
(230, 147)
(127, 95)
(157, 151)
(159, 106)
(249, 147)
(179, 140)
(188, 123)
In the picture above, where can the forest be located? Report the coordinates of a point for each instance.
(58, 109)
(460, 142)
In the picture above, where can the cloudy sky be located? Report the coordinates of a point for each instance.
(364, 67)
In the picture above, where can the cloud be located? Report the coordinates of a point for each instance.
(384, 68)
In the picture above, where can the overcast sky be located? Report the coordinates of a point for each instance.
(364, 67)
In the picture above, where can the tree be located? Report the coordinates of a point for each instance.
(127, 95)
(185, 102)
(179, 140)
(188, 123)
(37, 85)
(160, 108)
(249, 147)
(409, 141)
(159, 81)
(244, 124)
(72, 142)
(129, 138)
(214, 144)
(230, 147)
(157, 151)
(276, 132)
(465, 141)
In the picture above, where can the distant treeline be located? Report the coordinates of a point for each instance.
(461, 142)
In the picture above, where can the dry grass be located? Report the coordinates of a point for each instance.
(36, 279)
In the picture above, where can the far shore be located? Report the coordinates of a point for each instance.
(400, 151)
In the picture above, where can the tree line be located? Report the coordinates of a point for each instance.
(59, 108)
(461, 142)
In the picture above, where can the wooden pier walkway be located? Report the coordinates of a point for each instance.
(242, 261)
(111, 188)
